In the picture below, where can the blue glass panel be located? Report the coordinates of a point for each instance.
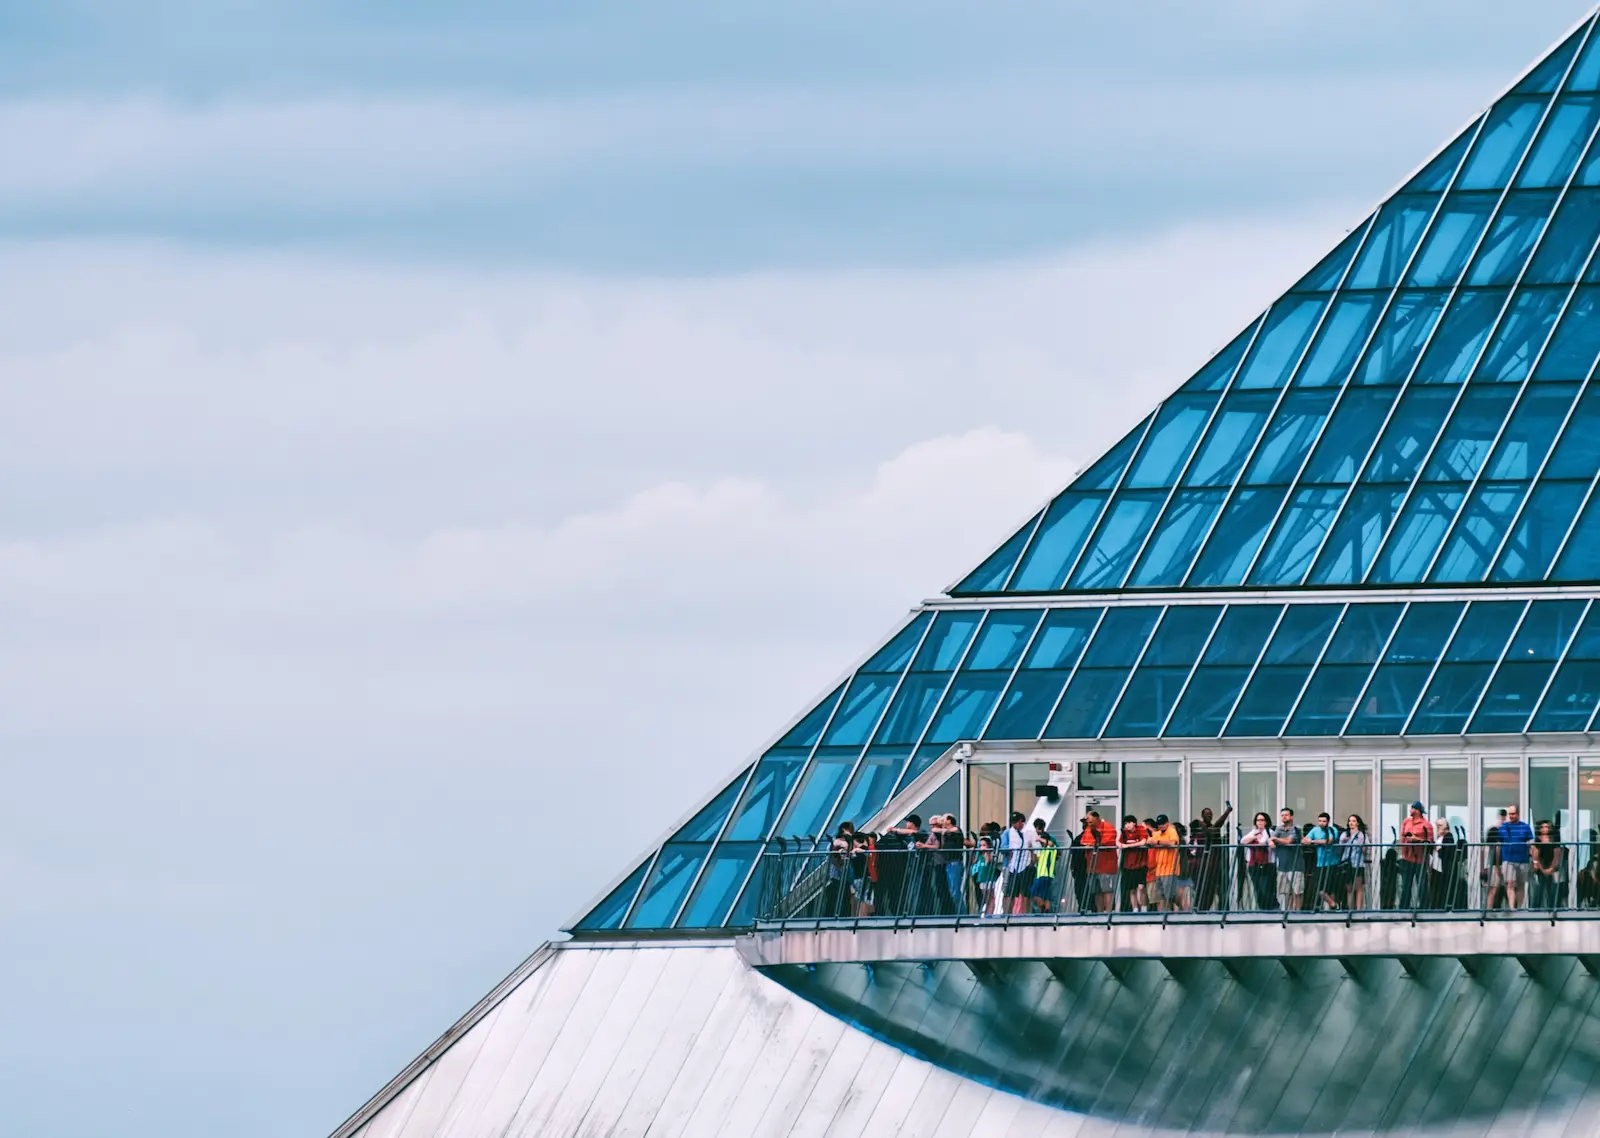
(1410, 434)
(1005, 635)
(1061, 535)
(1574, 692)
(1301, 634)
(1120, 637)
(1237, 537)
(1362, 633)
(1521, 334)
(1406, 664)
(1538, 533)
(1437, 173)
(1277, 349)
(1533, 426)
(1576, 342)
(991, 576)
(1233, 432)
(1027, 704)
(1358, 535)
(858, 712)
(759, 890)
(1145, 705)
(1505, 136)
(1329, 699)
(1518, 682)
(923, 759)
(1394, 235)
(1166, 448)
(1566, 246)
(1416, 537)
(706, 824)
(1467, 440)
(1087, 703)
(1242, 634)
(870, 790)
(912, 707)
(1465, 668)
(1478, 533)
(1060, 642)
(1297, 537)
(1456, 345)
(1546, 74)
(670, 879)
(1399, 339)
(1204, 709)
(723, 875)
(1106, 561)
(1484, 632)
(768, 790)
(1219, 369)
(1340, 340)
(1289, 436)
(893, 656)
(1107, 469)
(1561, 142)
(966, 706)
(1585, 74)
(1177, 539)
(1503, 253)
(1580, 561)
(1325, 277)
(608, 914)
(1266, 703)
(1350, 434)
(809, 729)
(1577, 454)
(946, 641)
(1181, 636)
(1455, 232)
(819, 791)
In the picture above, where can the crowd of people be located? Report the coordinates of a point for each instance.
(1158, 865)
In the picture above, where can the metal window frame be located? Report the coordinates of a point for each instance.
(1250, 678)
(1488, 340)
(1316, 666)
(1288, 385)
(1072, 675)
(1466, 726)
(983, 729)
(1405, 610)
(1187, 680)
(1145, 651)
(788, 799)
(1455, 630)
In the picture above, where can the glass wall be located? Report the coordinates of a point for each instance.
(1501, 788)
(1352, 792)
(1402, 785)
(986, 795)
(1303, 793)
(1548, 799)
(1151, 788)
(1448, 780)
(1258, 793)
(1209, 788)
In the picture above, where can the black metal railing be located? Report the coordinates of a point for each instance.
(862, 881)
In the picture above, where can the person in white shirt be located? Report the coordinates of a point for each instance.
(1018, 845)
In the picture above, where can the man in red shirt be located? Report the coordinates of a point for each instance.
(1135, 862)
(1100, 841)
(1416, 842)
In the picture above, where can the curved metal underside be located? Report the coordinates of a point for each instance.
(1250, 1046)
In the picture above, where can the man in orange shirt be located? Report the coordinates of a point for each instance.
(1162, 847)
(1100, 840)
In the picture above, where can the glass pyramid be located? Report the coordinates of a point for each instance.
(1349, 522)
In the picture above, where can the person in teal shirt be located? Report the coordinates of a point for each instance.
(1326, 840)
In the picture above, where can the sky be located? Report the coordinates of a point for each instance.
(441, 441)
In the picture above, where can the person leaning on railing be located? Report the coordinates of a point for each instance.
(1547, 862)
(1416, 838)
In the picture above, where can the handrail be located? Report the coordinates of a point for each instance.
(858, 880)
